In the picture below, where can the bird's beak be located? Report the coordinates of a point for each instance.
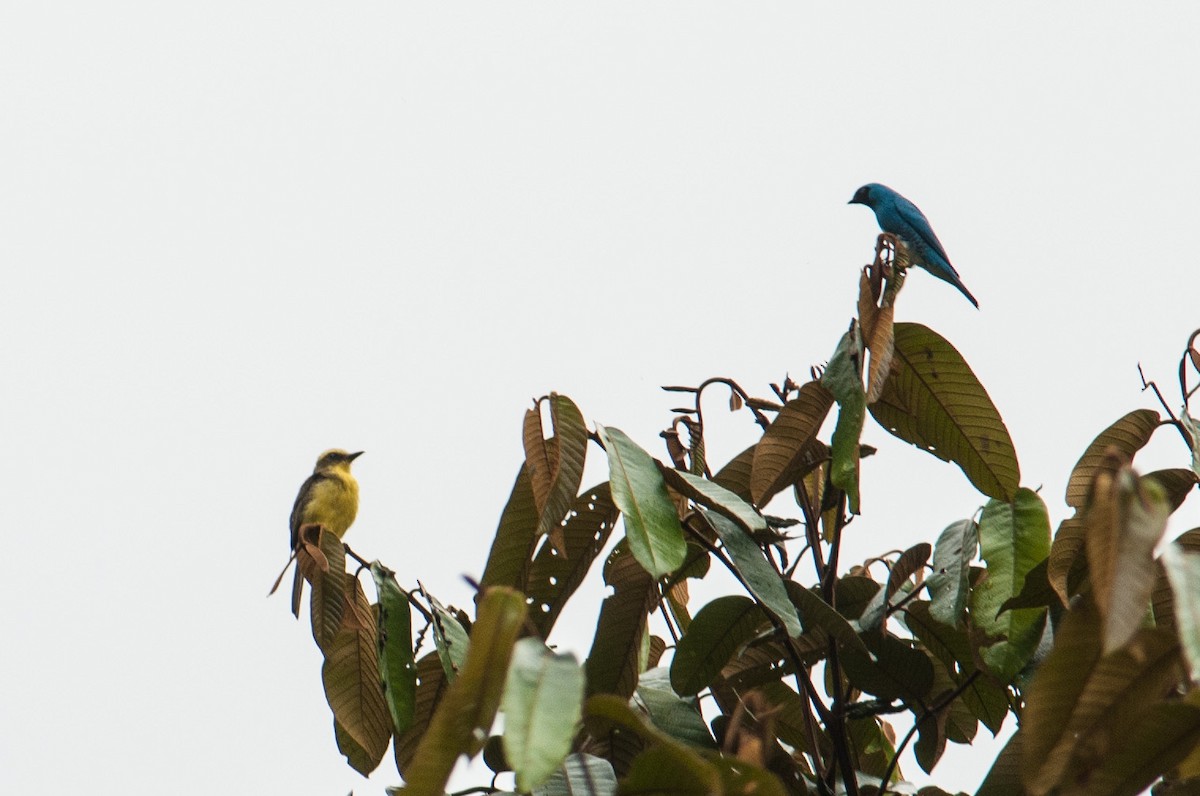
(354, 456)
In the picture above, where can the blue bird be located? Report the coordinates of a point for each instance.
(905, 220)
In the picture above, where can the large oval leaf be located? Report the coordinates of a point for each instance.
(952, 557)
(543, 702)
(1013, 539)
(651, 523)
(350, 674)
(716, 633)
(553, 578)
(783, 451)
(556, 464)
(707, 493)
(1128, 435)
(612, 664)
(761, 578)
(933, 400)
(396, 664)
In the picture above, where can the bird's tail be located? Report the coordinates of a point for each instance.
(297, 584)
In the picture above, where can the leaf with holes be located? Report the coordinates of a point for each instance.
(952, 557)
(449, 637)
(934, 401)
(553, 578)
(555, 465)
(397, 668)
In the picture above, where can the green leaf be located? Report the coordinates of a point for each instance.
(580, 775)
(952, 557)
(783, 454)
(716, 497)
(816, 614)
(677, 716)
(350, 675)
(553, 578)
(1013, 538)
(751, 563)
(431, 686)
(543, 702)
(515, 537)
(1127, 435)
(670, 770)
(1035, 593)
(894, 670)
(651, 524)
(397, 668)
(612, 664)
(843, 379)
(909, 562)
(462, 720)
(1183, 573)
(716, 633)
(934, 401)
(739, 778)
(985, 700)
(449, 637)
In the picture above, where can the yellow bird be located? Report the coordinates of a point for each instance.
(329, 498)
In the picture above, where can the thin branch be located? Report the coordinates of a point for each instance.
(925, 714)
(1174, 421)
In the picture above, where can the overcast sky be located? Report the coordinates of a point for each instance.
(236, 234)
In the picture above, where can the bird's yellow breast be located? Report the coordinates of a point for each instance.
(334, 503)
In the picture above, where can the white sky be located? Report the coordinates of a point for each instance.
(237, 234)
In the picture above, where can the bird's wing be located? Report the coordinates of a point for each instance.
(911, 215)
(303, 497)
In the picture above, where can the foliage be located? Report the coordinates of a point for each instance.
(1083, 638)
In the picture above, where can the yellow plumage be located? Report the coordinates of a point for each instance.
(329, 498)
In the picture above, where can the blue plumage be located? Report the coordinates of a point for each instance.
(905, 220)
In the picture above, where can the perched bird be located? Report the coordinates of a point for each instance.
(328, 497)
(905, 220)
